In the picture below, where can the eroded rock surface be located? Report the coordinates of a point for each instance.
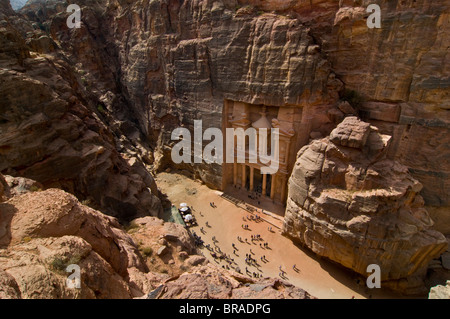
(154, 66)
(348, 203)
(43, 232)
(53, 133)
(83, 109)
(440, 292)
(210, 282)
(400, 71)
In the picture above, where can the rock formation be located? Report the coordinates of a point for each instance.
(52, 133)
(172, 63)
(210, 282)
(440, 292)
(91, 110)
(43, 232)
(351, 204)
(400, 71)
(153, 66)
(164, 64)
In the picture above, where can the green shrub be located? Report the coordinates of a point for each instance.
(100, 108)
(86, 202)
(146, 251)
(34, 188)
(59, 264)
(26, 239)
(131, 227)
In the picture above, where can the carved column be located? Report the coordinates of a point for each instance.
(264, 184)
(251, 178)
(272, 186)
(244, 175)
(235, 174)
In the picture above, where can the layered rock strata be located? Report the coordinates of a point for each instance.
(164, 64)
(210, 282)
(401, 74)
(52, 132)
(351, 204)
(43, 232)
(176, 62)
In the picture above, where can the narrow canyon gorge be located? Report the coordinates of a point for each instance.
(362, 117)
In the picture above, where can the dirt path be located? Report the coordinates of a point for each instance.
(319, 277)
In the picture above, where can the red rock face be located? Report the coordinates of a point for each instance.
(164, 64)
(52, 132)
(401, 70)
(351, 204)
(84, 109)
(42, 232)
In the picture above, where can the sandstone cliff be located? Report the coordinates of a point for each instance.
(172, 63)
(351, 204)
(51, 130)
(163, 64)
(83, 109)
(401, 71)
(42, 232)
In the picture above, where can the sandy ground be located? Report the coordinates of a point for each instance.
(320, 277)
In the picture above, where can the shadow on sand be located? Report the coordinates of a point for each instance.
(349, 278)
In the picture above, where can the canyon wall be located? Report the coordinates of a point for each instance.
(52, 132)
(178, 61)
(350, 203)
(163, 64)
(401, 71)
(91, 110)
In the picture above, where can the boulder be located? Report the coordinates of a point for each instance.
(167, 232)
(8, 286)
(21, 185)
(349, 203)
(440, 291)
(196, 260)
(54, 213)
(162, 250)
(38, 268)
(352, 132)
(346, 108)
(43, 232)
(210, 282)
